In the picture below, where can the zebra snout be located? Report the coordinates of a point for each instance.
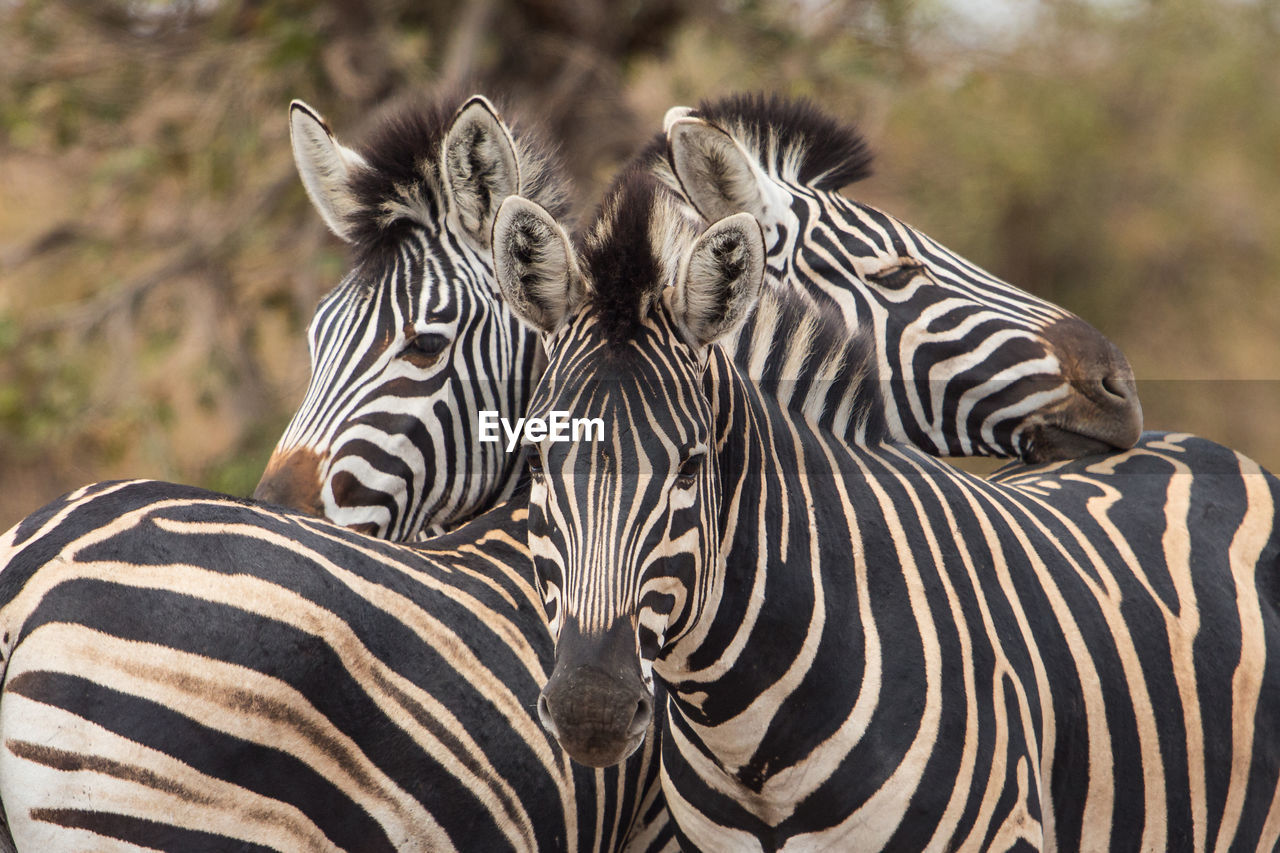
(1116, 391)
(595, 703)
(1103, 412)
(598, 717)
(292, 480)
(639, 721)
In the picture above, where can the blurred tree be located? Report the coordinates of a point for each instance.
(159, 260)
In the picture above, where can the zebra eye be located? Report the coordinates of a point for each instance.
(689, 471)
(534, 459)
(425, 348)
(896, 278)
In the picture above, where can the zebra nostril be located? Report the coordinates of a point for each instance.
(544, 715)
(643, 716)
(1117, 386)
(1118, 391)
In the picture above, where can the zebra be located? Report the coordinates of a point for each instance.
(183, 670)
(414, 342)
(975, 366)
(864, 648)
(971, 366)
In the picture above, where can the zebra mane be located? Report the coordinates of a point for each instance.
(632, 250)
(403, 182)
(838, 378)
(793, 140)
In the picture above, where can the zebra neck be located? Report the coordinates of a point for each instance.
(797, 349)
(508, 488)
(786, 540)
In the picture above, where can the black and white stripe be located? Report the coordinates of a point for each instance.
(969, 364)
(414, 342)
(186, 671)
(973, 365)
(864, 648)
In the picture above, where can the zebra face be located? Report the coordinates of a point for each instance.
(415, 342)
(970, 365)
(618, 528)
(624, 529)
(404, 357)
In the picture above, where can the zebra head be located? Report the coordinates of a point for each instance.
(415, 341)
(971, 364)
(622, 528)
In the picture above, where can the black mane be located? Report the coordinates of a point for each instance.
(627, 271)
(829, 154)
(792, 139)
(404, 183)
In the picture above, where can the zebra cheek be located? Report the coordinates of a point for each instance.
(537, 508)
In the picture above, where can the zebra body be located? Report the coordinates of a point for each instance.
(187, 671)
(864, 648)
(972, 365)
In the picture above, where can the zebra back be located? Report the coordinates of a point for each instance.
(183, 670)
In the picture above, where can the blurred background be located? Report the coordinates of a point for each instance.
(159, 261)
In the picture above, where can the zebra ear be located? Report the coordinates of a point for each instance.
(533, 263)
(717, 176)
(674, 115)
(325, 167)
(719, 281)
(480, 167)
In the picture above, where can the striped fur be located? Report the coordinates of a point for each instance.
(187, 671)
(391, 449)
(414, 342)
(969, 364)
(866, 649)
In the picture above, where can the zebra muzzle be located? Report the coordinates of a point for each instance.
(595, 703)
(293, 480)
(1103, 412)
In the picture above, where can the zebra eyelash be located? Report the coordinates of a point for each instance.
(427, 343)
(898, 277)
(687, 475)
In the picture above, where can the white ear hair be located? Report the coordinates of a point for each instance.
(720, 280)
(533, 261)
(325, 167)
(674, 115)
(480, 167)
